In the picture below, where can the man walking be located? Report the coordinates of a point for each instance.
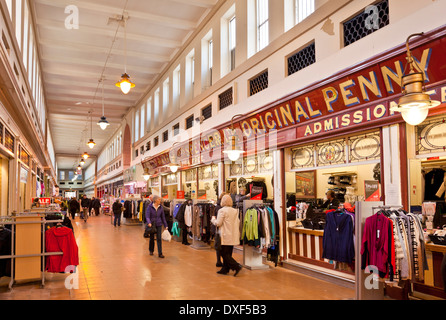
(85, 205)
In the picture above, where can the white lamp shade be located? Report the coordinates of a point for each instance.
(103, 123)
(414, 116)
(233, 155)
(125, 87)
(174, 168)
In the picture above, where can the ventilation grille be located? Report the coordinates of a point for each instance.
(258, 83)
(373, 18)
(302, 59)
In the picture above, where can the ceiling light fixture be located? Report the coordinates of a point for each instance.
(91, 143)
(146, 174)
(234, 153)
(125, 84)
(82, 162)
(103, 123)
(415, 103)
(85, 156)
(174, 166)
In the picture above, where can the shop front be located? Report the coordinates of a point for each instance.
(331, 147)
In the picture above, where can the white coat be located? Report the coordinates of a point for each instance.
(228, 223)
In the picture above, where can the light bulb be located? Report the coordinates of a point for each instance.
(174, 168)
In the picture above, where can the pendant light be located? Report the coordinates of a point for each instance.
(85, 156)
(103, 123)
(415, 103)
(234, 152)
(82, 162)
(91, 143)
(174, 166)
(146, 174)
(125, 84)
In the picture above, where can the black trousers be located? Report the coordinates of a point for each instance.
(159, 231)
(184, 234)
(229, 262)
(117, 220)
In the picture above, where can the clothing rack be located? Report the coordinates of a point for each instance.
(36, 219)
(252, 257)
(198, 244)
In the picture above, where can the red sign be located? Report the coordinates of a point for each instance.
(358, 96)
(180, 194)
(43, 201)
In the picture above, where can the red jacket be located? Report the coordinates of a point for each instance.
(61, 239)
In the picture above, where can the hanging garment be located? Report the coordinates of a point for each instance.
(337, 241)
(176, 209)
(188, 215)
(61, 239)
(175, 229)
(250, 227)
(375, 243)
(433, 181)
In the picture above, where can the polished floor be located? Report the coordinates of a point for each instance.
(115, 265)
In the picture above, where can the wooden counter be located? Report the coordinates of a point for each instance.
(435, 248)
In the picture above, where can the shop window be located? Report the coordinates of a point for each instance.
(9, 140)
(1, 133)
(330, 153)
(259, 83)
(225, 99)
(364, 147)
(302, 59)
(431, 136)
(302, 157)
(251, 165)
(369, 20)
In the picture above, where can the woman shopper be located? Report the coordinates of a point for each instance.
(155, 215)
(228, 223)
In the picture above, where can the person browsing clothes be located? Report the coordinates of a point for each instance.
(155, 215)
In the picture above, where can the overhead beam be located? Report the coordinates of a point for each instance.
(100, 64)
(82, 47)
(108, 32)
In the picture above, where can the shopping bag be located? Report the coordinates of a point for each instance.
(166, 236)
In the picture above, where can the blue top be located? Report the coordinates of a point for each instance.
(156, 217)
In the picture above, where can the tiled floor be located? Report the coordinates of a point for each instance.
(115, 265)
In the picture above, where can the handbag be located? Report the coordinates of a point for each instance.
(217, 242)
(149, 230)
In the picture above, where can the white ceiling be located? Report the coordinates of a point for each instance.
(72, 61)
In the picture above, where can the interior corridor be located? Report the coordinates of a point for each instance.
(115, 265)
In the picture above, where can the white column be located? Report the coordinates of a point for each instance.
(241, 14)
(276, 17)
(391, 166)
